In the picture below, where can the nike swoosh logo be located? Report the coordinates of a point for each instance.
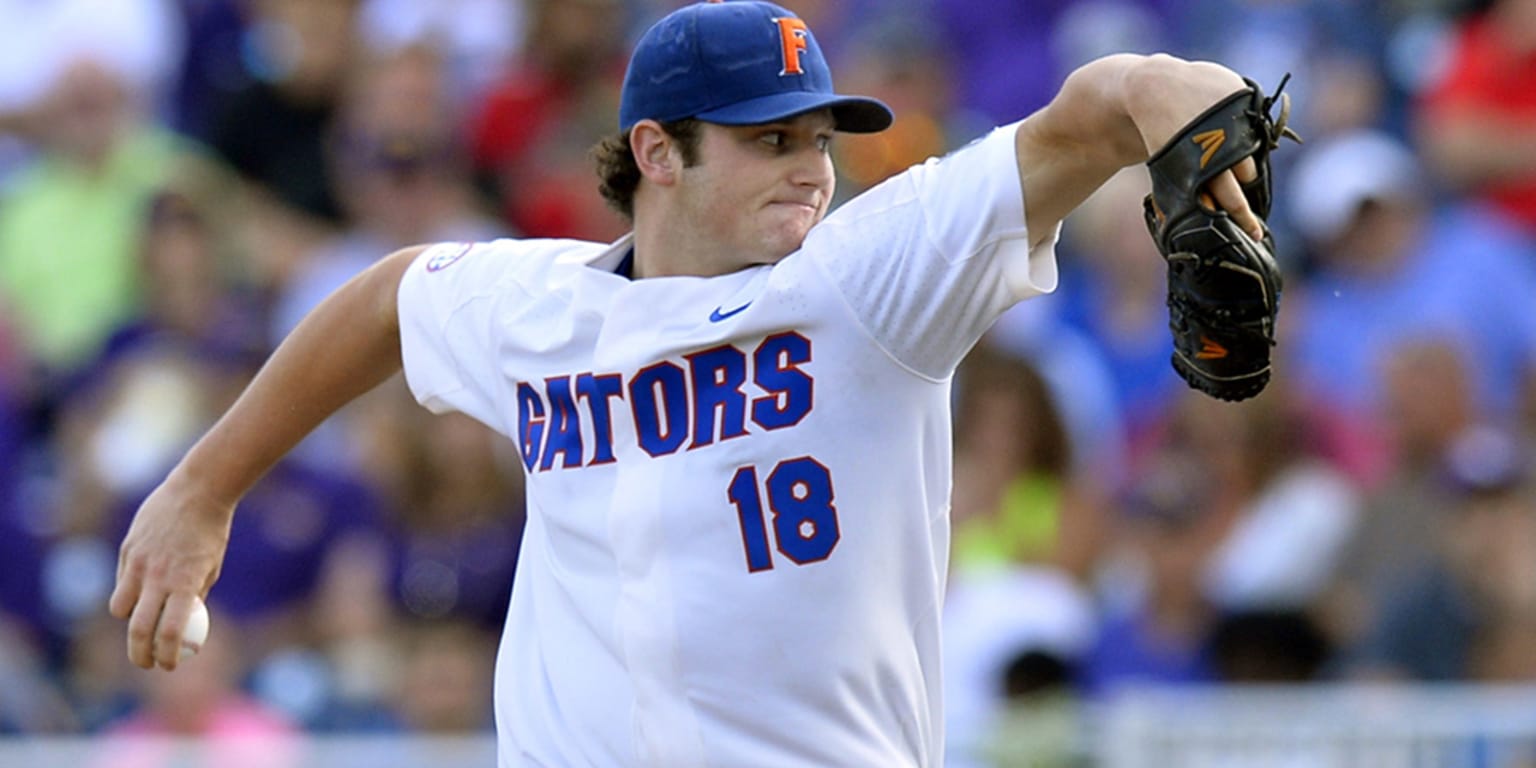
(716, 316)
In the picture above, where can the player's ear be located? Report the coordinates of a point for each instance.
(654, 151)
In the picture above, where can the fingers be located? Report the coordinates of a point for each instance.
(1229, 196)
(130, 580)
(156, 619)
(141, 628)
(173, 622)
(170, 557)
(1246, 170)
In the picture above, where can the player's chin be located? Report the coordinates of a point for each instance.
(786, 233)
(780, 244)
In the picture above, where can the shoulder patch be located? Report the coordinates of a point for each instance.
(443, 255)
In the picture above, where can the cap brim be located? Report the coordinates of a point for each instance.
(850, 114)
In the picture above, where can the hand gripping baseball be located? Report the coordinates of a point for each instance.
(168, 561)
(1223, 285)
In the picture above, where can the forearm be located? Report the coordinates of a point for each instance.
(1069, 149)
(345, 347)
(1092, 113)
(1110, 113)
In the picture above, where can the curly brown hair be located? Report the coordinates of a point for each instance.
(619, 174)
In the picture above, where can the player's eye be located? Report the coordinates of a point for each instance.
(774, 139)
(824, 142)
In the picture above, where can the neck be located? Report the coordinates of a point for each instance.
(665, 247)
(672, 242)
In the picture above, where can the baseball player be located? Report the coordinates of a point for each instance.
(734, 420)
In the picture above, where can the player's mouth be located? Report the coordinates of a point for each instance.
(811, 208)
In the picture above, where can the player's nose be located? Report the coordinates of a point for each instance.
(813, 168)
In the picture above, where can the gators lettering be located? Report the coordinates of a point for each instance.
(715, 394)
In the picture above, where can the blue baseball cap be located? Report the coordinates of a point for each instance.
(736, 63)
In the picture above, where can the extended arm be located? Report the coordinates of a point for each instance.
(1111, 113)
(173, 550)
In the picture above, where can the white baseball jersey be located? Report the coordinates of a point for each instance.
(738, 486)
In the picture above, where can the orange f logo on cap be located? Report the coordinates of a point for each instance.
(792, 32)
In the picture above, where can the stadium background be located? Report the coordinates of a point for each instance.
(181, 180)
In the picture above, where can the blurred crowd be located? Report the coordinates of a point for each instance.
(182, 180)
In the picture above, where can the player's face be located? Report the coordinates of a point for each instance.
(757, 190)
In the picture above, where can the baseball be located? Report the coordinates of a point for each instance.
(196, 633)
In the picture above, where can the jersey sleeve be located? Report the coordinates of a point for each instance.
(930, 258)
(447, 305)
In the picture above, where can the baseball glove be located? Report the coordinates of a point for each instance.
(1223, 286)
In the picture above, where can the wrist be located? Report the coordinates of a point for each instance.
(1162, 94)
(203, 481)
